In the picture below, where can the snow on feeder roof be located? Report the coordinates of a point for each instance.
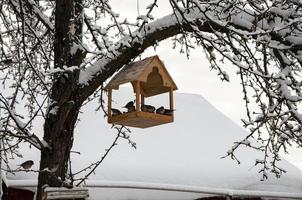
(149, 77)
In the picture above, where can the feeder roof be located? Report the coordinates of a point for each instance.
(138, 71)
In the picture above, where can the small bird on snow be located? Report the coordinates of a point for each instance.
(148, 108)
(160, 110)
(115, 112)
(130, 106)
(27, 164)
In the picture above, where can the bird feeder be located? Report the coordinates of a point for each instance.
(149, 77)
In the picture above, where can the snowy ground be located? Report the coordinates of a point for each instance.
(186, 152)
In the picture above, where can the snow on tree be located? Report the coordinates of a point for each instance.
(55, 56)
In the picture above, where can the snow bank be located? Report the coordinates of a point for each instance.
(186, 152)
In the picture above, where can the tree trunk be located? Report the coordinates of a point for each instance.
(64, 103)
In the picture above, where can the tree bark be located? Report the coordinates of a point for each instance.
(64, 103)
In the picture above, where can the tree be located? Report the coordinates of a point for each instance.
(56, 55)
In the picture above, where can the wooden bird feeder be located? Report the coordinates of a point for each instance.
(149, 77)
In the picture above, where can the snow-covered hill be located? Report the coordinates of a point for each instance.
(185, 152)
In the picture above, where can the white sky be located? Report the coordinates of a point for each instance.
(193, 75)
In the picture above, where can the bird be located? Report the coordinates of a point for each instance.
(210, 48)
(168, 112)
(115, 112)
(27, 164)
(160, 110)
(148, 108)
(130, 106)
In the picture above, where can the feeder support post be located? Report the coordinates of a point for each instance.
(109, 102)
(138, 91)
(171, 99)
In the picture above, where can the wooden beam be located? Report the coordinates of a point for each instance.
(109, 103)
(141, 119)
(171, 99)
(138, 91)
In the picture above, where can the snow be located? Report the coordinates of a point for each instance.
(54, 110)
(243, 20)
(3, 177)
(185, 154)
(60, 70)
(130, 73)
(193, 189)
(76, 47)
(294, 39)
(282, 11)
(45, 144)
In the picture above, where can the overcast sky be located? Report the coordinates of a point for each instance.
(193, 75)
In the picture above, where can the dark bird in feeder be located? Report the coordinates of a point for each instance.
(27, 164)
(148, 108)
(160, 110)
(115, 112)
(168, 112)
(130, 106)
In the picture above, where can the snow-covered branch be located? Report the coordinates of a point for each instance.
(40, 15)
(22, 131)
